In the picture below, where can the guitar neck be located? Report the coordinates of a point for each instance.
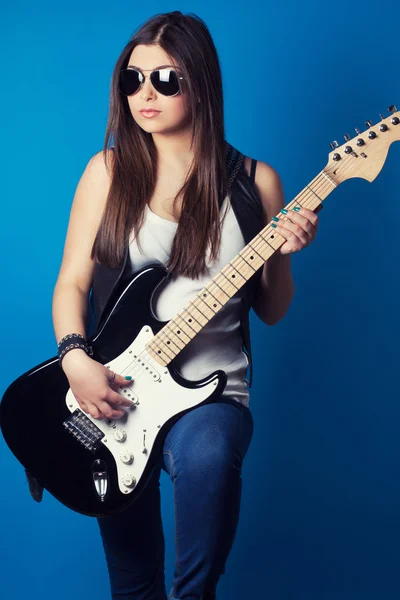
(180, 330)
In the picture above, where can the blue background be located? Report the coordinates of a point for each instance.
(320, 507)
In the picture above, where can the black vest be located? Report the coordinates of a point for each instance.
(248, 210)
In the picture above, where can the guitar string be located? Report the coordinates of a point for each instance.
(307, 196)
(255, 245)
(303, 199)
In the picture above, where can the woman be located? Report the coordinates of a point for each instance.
(159, 189)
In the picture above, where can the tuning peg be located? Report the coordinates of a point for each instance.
(358, 132)
(381, 116)
(334, 144)
(346, 137)
(392, 108)
(368, 123)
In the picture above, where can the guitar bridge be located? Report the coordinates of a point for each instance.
(83, 429)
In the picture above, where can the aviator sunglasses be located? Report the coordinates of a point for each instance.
(165, 81)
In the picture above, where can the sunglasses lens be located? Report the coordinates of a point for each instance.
(165, 81)
(129, 81)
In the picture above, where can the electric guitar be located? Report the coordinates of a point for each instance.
(99, 467)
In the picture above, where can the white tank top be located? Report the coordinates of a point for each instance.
(219, 344)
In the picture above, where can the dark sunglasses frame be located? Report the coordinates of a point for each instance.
(154, 81)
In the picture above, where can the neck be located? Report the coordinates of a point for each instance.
(174, 150)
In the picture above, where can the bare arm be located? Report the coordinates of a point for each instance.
(88, 378)
(70, 296)
(276, 289)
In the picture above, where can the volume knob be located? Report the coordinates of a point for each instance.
(128, 480)
(127, 458)
(119, 435)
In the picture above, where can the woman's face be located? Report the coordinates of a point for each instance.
(172, 116)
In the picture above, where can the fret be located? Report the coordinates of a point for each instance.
(158, 355)
(160, 348)
(229, 285)
(315, 193)
(249, 253)
(210, 300)
(191, 321)
(264, 252)
(164, 337)
(173, 329)
(183, 327)
(168, 339)
(205, 309)
(274, 240)
(224, 284)
(233, 276)
(198, 315)
(242, 267)
(247, 265)
(163, 343)
(217, 291)
(174, 349)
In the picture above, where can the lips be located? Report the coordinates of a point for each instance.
(149, 111)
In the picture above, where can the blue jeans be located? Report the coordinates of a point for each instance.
(203, 454)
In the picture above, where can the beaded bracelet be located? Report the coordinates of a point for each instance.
(71, 341)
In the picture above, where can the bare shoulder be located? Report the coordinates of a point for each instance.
(100, 165)
(269, 187)
(86, 212)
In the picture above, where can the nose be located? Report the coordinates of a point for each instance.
(147, 90)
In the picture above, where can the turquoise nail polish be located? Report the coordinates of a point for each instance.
(128, 377)
(297, 208)
(275, 219)
(273, 225)
(283, 211)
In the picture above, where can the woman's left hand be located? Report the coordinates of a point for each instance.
(299, 231)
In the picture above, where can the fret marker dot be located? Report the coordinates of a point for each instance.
(190, 320)
(214, 305)
(178, 332)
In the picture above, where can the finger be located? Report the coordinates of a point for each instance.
(116, 381)
(293, 231)
(304, 216)
(96, 413)
(116, 399)
(108, 411)
(301, 226)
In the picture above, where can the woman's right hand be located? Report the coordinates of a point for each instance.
(89, 382)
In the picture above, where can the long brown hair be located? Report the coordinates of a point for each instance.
(187, 40)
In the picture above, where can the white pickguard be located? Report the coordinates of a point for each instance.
(158, 397)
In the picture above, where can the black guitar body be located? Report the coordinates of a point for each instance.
(33, 409)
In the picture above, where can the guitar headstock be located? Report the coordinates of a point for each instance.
(365, 154)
